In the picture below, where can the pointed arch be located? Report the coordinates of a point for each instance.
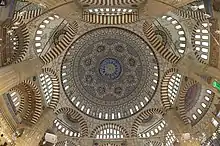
(30, 105)
(164, 87)
(77, 116)
(149, 32)
(62, 45)
(153, 143)
(142, 116)
(182, 95)
(113, 126)
(52, 98)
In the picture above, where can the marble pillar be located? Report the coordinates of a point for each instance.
(175, 123)
(14, 74)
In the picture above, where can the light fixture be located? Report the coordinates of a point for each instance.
(51, 18)
(56, 16)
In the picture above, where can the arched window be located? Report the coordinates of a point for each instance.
(109, 131)
(202, 40)
(47, 86)
(64, 129)
(173, 87)
(45, 29)
(201, 107)
(153, 130)
(176, 28)
(170, 138)
(15, 98)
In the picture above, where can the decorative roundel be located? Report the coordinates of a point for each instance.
(110, 68)
(162, 36)
(110, 73)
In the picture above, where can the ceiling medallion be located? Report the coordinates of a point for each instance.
(108, 73)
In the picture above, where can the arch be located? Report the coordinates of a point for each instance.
(65, 129)
(182, 95)
(110, 19)
(176, 28)
(196, 37)
(164, 87)
(197, 15)
(66, 41)
(20, 37)
(107, 126)
(55, 87)
(36, 97)
(31, 106)
(67, 142)
(27, 14)
(77, 116)
(153, 143)
(149, 32)
(142, 116)
(170, 137)
(42, 30)
(199, 109)
(22, 100)
(111, 2)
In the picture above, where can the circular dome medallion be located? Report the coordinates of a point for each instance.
(109, 73)
(110, 68)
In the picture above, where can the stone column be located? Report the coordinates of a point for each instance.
(33, 135)
(14, 74)
(189, 64)
(175, 123)
(190, 67)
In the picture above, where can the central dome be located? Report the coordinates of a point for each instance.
(110, 73)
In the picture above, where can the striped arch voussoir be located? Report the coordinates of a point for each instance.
(37, 98)
(22, 34)
(197, 15)
(164, 88)
(142, 116)
(182, 95)
(153, 143)
(111, 2)
(63, 44)
(103, 126)
(62, 143)
(77, 116)
(110, 19)
(149, 32)
(30, 105)
(56, 87)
